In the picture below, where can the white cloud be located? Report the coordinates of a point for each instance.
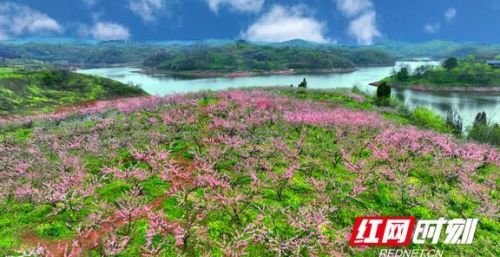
(364, 28)
(148, 10)
(18, 20)
(105, 31)
(353, 7)
(236, 5)
(363, 24)
(432, 28)
(450, 14)
(283, 24)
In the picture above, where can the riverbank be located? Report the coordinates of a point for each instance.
(449, 89)
(240, 74)
(467, 104)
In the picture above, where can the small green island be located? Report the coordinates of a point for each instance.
(243, 59)
(24, 91)
(469, 74)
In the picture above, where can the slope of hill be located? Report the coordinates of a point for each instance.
(280, 172)
(30, 91)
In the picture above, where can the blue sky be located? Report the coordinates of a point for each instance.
(361, 22)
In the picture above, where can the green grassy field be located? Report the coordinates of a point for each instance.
(23, 92)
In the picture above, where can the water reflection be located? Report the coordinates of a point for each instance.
(467, 104)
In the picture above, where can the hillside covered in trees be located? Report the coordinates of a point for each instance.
(196, 55)
(81, 54)
(232, 55)
(249, 57)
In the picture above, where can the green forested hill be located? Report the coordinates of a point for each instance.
(221, 55)
(439, 49)
(27, 91)
(251, 57)
(101, 54)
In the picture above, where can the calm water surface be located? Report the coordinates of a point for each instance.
(467, 104)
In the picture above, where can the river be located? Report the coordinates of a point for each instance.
(467, 104)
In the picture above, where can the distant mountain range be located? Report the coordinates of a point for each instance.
(101, 53)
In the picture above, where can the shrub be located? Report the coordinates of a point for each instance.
(450, 63)
(383, 94)
(404, 73)
(303, 84)
(485, 133)
(425, 118)
(383, 90)
(454, 121)
(480, 119)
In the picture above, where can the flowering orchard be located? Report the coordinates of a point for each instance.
(231, 173)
